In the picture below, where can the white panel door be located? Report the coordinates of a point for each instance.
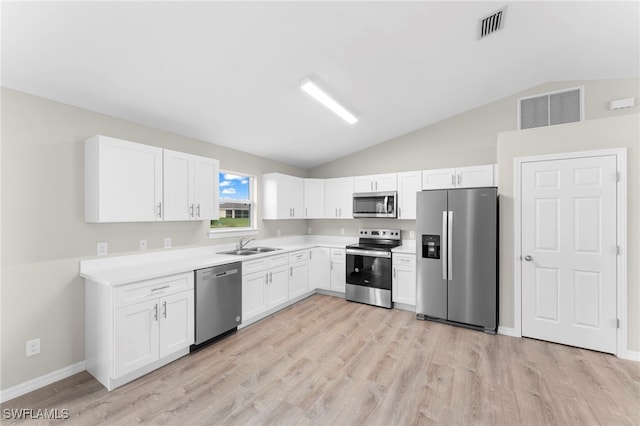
(314, 198)
(439, 179)
(569, 252)
(319, 274)
(278, 286)
(408, 184)
(178, 186)
(177, 321)
(254, 297)
(206, 188)
(135, 337)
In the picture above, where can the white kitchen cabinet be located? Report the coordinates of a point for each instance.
(135, 328)
(123, 181)
(320, 268)
(338, 196)
(375, 183)
(190, 190)
(338, 270)
(265, 284)
(408, 184)
(282, 196)
(298, 273)
(461, 177)
(314, 198)
(404, 279)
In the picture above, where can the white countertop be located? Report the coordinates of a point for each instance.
(119, 270)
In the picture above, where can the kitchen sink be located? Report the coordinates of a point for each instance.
(249, 251)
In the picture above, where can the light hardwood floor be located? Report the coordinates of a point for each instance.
(327, 361)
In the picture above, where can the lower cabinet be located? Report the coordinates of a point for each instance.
(338, 270)
(265, 284)
(404, 279)
(320, 268)
(298, 273)
(135, 328)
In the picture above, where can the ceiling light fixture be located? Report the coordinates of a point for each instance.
(321, 96)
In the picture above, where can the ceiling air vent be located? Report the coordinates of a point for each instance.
(492, 23)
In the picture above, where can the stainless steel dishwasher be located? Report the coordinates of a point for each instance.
(218, 300)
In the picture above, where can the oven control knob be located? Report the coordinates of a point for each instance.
(357, 270)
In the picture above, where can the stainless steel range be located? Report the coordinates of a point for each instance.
(369, 267)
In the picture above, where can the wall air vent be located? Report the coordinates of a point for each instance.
(548, 109)
(492, 23)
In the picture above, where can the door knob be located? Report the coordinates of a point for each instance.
(528, 258)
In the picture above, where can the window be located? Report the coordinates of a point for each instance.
(236, 201)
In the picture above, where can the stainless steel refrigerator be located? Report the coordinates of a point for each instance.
(457, 257)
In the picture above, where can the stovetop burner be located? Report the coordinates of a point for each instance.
(377, 239)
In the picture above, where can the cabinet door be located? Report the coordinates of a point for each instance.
(320, 265)
(345, 202)
(363, 184)
(278, 286)
(298, 278)
(404, 279)
(176, 315)
(178, 186)
(283, 196)
(206, 188)
(477, 176)
(408, 184)
(439, 179)
(123, 181)
(338, 270)
(314, 198)
(136, 337)
(386, 182)
(254, 299)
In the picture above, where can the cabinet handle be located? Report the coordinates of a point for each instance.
(394, 272)
(310, 255)
(376, 185)
(459, 178)
(293, 212)
(266, 278)
(160, 288)
(164, 308)
(336, 212)
(340, 212)
(159, 209)
(332, 265)
(399, 212)
(155, 312)
(371, 186)
(290, 271)
(306, 212)
(191, 211)
(453, 180)
(270, 277)
(198, 210)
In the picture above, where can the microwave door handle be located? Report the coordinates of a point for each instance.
(444, 245)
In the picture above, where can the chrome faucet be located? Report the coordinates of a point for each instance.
(243, 243)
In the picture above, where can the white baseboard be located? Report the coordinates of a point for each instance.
(42, 381)
(630, 355)
(508, 331)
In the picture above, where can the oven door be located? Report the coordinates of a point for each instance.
(368, 268)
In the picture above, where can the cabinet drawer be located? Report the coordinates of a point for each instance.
(404, 259)
(337, 253)
(150, 289)
(278, 260)
(299, 256)
(251, 266)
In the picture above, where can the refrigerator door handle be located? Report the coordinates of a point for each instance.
(450, 246)
(445, 245)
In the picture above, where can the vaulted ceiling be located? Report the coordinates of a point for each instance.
(228, 72)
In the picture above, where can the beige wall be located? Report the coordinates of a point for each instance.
(616, 132)
(44, 235)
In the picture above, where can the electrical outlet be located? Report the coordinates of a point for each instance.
(103, 248)
(167, 242)
(143, 244)
(33, 347)
(278, 232)
(341, 231)
(412, 235)
(309, 230)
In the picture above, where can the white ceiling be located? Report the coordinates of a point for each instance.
(228, 72)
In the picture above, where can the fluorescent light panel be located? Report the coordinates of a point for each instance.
(321, 96)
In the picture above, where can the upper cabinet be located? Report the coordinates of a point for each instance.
(190, 187)
(408, 184)
(132, 182)
(314, 198)
(375, 183)
(338, 198)
(461, 177)
(123, 181)
(282, 196)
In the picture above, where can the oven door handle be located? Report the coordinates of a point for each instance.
(369, 253)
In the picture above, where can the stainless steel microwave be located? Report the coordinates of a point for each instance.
(375, 204)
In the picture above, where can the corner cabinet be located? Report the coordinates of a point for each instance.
(136, 328)
(282, 196)
(131, 182)
(461, 177)
(123, 181)
(190, 187)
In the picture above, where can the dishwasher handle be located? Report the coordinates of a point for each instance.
(227, 273)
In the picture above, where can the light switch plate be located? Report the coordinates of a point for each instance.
(167, 242)
(33, 347)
